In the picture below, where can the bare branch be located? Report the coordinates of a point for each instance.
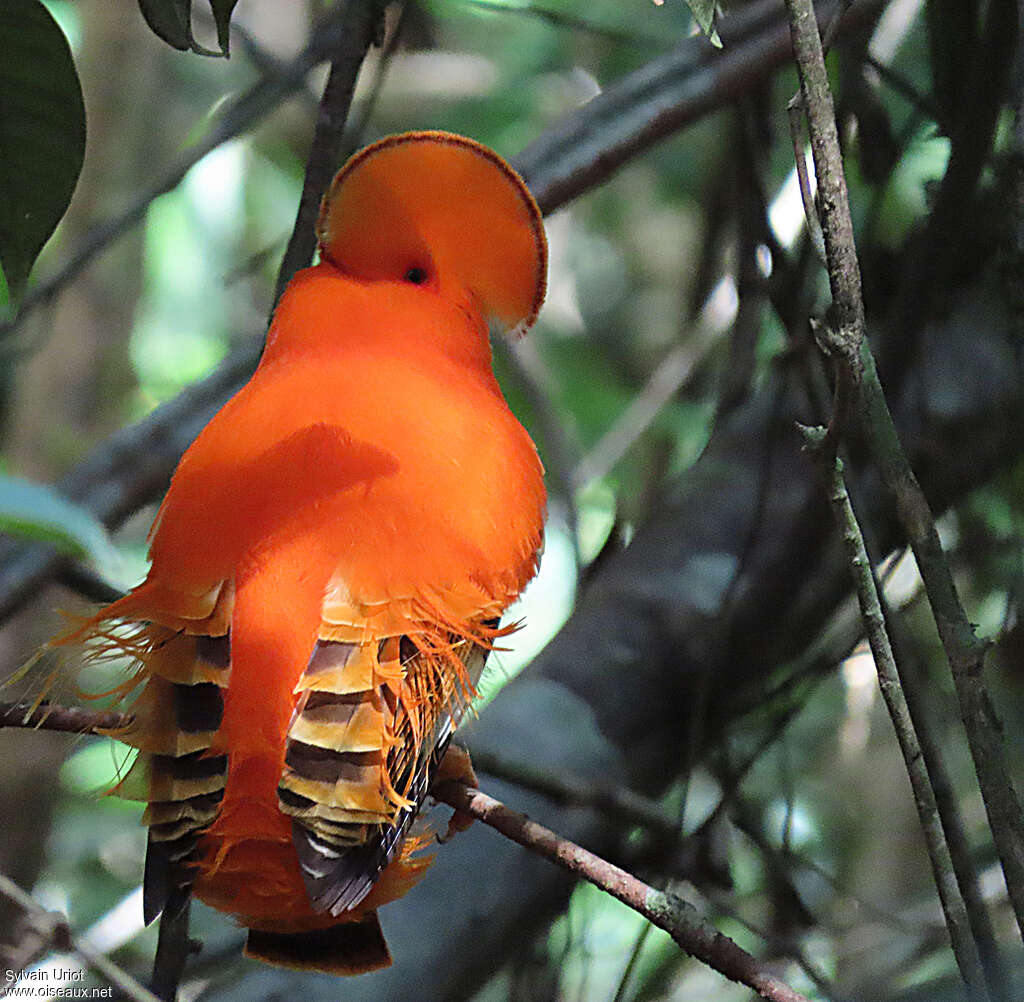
(665, 910)
(677, 917)
(361, 24)
(50, 717)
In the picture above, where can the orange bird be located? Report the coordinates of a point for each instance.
(331, 560)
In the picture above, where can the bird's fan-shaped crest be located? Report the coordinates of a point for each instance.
(440, 208)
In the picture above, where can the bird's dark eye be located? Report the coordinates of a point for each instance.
(416, 275)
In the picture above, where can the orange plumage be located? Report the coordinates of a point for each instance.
(332, 556)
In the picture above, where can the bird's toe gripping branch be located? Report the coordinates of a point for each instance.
(456, 767)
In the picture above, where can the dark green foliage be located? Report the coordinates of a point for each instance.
(42, 135)
(171, 20)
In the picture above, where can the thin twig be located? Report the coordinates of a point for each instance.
(960, 934)
(846, 342)
(64, 940)
(664, 383)
(634, 957)
(360, 23)
(795, 114)
(785, 946)
(795, 864)
(914, 688)
(677, 917)
(359, 117)
(921, 103)
(265, 61)
(51, 717)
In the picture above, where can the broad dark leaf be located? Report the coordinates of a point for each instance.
(171, 21)
(42, 134)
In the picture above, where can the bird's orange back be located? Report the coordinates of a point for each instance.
(332, 556)
(386, 431)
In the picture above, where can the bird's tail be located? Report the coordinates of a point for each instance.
(345, 948)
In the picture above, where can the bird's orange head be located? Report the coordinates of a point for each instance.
(440, 210)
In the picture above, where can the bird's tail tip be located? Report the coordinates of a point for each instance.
(346, 948)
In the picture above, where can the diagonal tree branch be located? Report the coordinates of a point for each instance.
(362, 24)
(693, 934)
(667, 94)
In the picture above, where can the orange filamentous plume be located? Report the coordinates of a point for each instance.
(331, 560)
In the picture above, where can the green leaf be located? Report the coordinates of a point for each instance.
(39, 513)
(171, 21)
(704, 12)
(42, 134)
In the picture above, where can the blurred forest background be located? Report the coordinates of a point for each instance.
(692, 639)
